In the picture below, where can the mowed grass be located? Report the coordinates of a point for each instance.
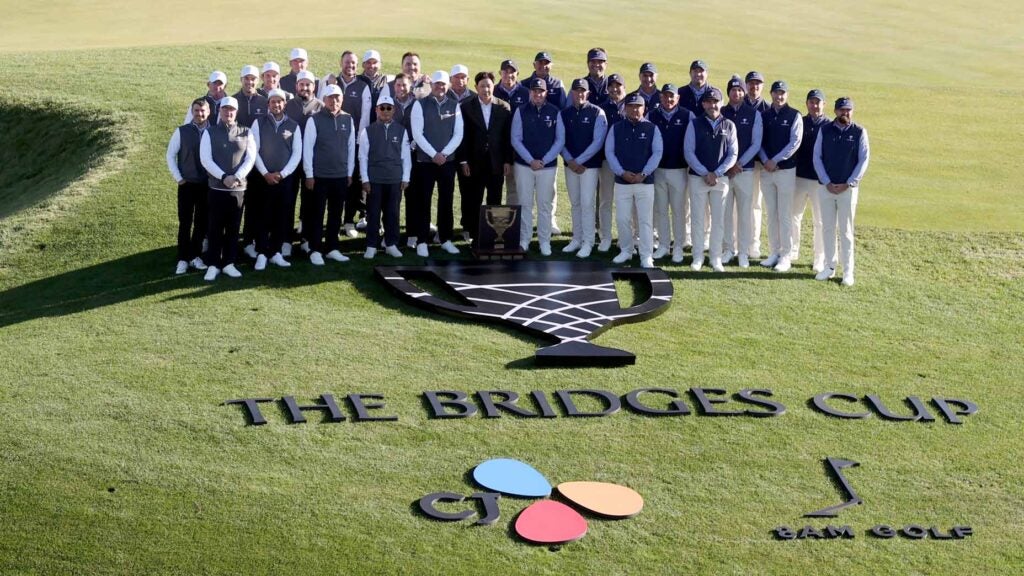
(118, 456)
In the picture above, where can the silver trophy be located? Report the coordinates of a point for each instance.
(569, 302)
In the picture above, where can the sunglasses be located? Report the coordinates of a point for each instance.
(385, 107)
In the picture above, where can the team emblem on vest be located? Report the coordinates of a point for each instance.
(586, 120)
(785, 122)
(286, 134)
(548, 121)
(642, 136)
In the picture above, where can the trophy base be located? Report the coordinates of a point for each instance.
(491, 254)
(582, 354)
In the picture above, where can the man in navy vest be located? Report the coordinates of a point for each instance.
(299, 109)
(691, 94)
(739, 199)
(841, 157)
(386, 161)
(711, 148)
(227, 152)
(649, 86)
(538, 136)
(807, 180)
(670, 178)
(597, 63)
(251, 105)
(585, 129)
(782, 132)
(328, 159)
(485, 154)
(613, 111)
(437, 131)
(187, 170)
(512, 91)
(298, 60)
(279, 144)
(755, 85)
(271, 80)
(557, 97)
(634, 150)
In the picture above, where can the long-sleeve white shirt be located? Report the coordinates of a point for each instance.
(206, 158)
(364, 152)
(421, 139)
(293, 160)
(173, 147)
(309, 144)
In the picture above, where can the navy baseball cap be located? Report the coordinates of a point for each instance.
(698, 64)
(816, 94)
(509, 65)
(580, 84)
(780, 86)
(648, 67)
(538, 84)
(735, 82)
(712, 93)
(844, 102)
(755, 76)
(669, 88)
(542, 56)
(617, 78)
(634, 99)
(597, 54)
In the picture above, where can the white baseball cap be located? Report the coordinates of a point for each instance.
(218, 76)
(305, 75)
(298, 54)
(459, 69)
(277, 93)
(250, 71)
(271, 67)
(371, 55)
(439, 76)
(385, 99)
(332, 90)
(228, 102)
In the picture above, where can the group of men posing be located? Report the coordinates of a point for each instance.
(666, 157)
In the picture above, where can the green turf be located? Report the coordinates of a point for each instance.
(118, 457)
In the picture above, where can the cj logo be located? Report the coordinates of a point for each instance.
(546, 521)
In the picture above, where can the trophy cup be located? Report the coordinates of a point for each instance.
(492, 244)
(567, 302)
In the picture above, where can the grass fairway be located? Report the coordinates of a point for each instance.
(117, 457)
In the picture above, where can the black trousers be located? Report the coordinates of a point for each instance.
(192, 219)
(412, 200)
(473, 197)
(383, 198)
(305, 197)
(268, 207)
(255, 182)
(225, 216)
(354, 200)
(328, 194)
(444, 177)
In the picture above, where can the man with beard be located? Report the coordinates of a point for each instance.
(634, 148)
(585, 130)
(783, 130)
(328, 159)
(711, 149)
(690, 95)
(670, 177)
(187, 170)
(279, 145)
(739, 199)
(227, 152)
(374, 78)
(841, 156)
(437, 130)
(613, 112)
(485, 154)
(419, 84)
(807, 180)
(215, 86)
(597, 63)
(300, 109)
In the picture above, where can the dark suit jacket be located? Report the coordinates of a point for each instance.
(486, 149)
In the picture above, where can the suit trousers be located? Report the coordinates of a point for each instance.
(838, 209)
(473, 196)
(535, 186)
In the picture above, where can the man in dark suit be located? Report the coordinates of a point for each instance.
(485, 154)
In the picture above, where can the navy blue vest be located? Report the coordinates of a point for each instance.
(189, 165)
(709, 143)
(777, 126)
(673, 131)
(598, 93)
(539, 129)
(519, 96)
(761, 105)
(744, 119)
(840, 151)
(612, 112)
(688, 99)
(556, 91)
(805, 154)
(634, 143)
(579, 132)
